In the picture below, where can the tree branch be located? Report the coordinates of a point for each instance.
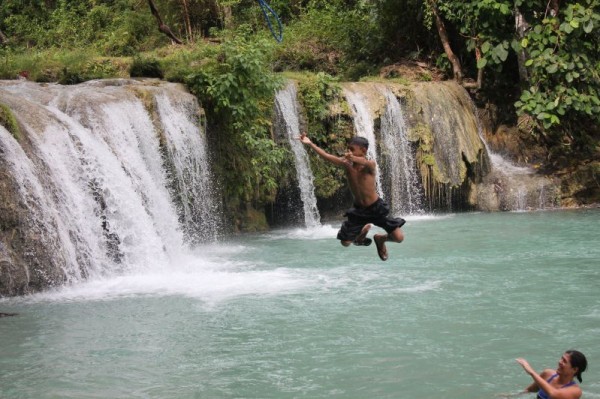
(161, 25)
(476, 85)
(456, 67)
(3, 38)
(521, 27)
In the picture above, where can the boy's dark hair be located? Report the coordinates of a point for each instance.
(359, 141)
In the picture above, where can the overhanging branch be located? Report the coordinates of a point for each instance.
(161, 25)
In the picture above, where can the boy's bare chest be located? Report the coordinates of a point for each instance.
(359, 173)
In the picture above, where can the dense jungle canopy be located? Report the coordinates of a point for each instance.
(537, 62)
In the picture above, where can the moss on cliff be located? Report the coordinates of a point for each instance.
(8, 120)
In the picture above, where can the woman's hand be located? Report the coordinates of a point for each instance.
(525, 364)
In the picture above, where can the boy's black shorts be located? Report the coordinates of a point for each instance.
(376, 213)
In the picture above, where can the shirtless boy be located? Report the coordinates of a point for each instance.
(368, 207)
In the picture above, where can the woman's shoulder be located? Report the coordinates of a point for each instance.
(547, 373)
(575, 391)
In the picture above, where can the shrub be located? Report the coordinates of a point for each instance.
(145, 67)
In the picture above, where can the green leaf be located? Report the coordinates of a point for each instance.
(485, 47)
(566, 27)
(543, 115)
(481, 63)
(501, 52)
(524, 42)
(552, 68)
(574, 23)
(588, 27)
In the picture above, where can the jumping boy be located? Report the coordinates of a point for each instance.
(368, 208)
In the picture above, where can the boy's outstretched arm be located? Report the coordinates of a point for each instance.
(322, 153)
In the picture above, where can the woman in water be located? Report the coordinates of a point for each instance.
(559, 383)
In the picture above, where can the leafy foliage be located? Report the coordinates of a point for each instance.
(317, 93)
(145, 67)
(114, 28)
(562, 87)
(238, 88)
(564, 65)
(332, 39)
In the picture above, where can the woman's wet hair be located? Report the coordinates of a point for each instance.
(577, 360)
(359, 141)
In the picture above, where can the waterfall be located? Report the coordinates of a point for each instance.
(364, 126)
(114, 174)
(45, 219)
(404, 188)
(519, 188)
(287, 108)
(188, 149)
(510, 187)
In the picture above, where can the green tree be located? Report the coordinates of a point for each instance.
(555, 49)
(563, 91)
(237, 89)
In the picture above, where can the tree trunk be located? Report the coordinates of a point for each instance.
(476, 85)
(553, 6)
(456, 67)
(161, 25)
(227, 17)
(3, 38)
(521, 27)
(188, 23)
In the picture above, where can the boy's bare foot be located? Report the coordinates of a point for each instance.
(380, 240)
(362, 239)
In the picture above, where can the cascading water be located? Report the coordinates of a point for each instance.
(105, 182)
(364, 126)
(287, 108)
(519, 188)
(190, 158)
(405, 189)
(510, 187)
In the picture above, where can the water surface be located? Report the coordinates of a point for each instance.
(292, 314)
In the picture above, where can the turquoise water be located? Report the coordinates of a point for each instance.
(292, 314)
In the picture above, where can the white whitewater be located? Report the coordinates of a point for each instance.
(515, 188)
(364, 126)
(97, 180)
(188, 149)
(405, 191)
(287, 106)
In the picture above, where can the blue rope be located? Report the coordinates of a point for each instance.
(266, 11)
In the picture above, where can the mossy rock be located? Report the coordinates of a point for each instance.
(582, 185)
(253, 220)
(8, 120)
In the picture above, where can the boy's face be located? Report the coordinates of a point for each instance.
(357, 150)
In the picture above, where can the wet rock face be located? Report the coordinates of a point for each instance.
(581, 184)
(13, 279)
(444, 132)
(9, 221)
(26, 261)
